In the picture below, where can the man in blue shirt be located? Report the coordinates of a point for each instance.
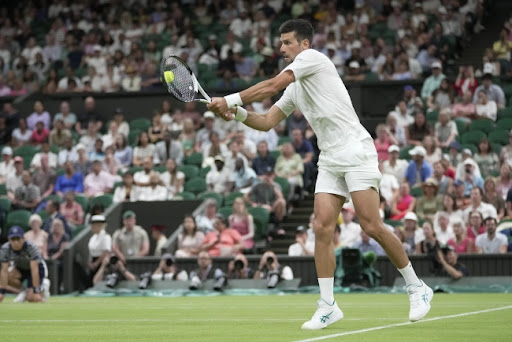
(418, 169)
(29, 265)
(263, 160)
(69, 181)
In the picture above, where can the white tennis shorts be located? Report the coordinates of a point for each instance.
(353, 168)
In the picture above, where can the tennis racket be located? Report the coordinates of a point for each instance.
(180, 81)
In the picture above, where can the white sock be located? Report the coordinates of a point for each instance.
(327, 289)
(409, 275)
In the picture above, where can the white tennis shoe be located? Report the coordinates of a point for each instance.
(21, 297)
(419, 298)
(46, 289)
(325, 315)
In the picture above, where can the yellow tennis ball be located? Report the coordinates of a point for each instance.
(169, 76)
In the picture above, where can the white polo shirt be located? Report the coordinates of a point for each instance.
(99, 243)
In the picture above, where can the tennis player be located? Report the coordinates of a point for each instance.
(347, 165)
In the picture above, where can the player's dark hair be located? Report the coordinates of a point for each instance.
(300, 27)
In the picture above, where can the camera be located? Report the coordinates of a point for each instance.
(195, 283)
(220, 282)
(112, 280)
(270, 260)
(145, 280)
(168, 262)
(273, 279)
(239, 265)
(113, 260)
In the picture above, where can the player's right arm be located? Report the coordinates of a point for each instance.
(267, 121)
(3, 280)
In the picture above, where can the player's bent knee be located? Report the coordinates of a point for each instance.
(323, 231)
(374, 229)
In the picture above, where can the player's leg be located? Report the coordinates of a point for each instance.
(366, 204)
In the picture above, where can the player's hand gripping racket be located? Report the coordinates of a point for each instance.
(180, 81)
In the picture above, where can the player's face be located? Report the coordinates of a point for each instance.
(290, 46)
(16, 243)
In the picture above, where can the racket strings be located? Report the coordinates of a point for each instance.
(182, 87)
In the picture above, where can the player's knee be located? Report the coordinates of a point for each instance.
(373, 228)
(323, 232)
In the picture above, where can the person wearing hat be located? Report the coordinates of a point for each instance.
(469, 173)
(203, 135)
(269, 66)
(302, 246)
(412, 234)
(168, 269)
(494, 92)
(348, 165)
(100, 244)
(432, 82)
(418, 165)
(158, 235)
(430, 203)
(354, 72)
(29, 264)
(130, 241)
(395, 166)
(220, 179)
(210, 55)
(7, 164)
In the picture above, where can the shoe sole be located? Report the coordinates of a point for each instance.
(430, 297)
(331, 321)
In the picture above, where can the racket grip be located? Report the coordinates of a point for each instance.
(202, 101)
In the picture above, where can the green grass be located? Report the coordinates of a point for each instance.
(250, 318)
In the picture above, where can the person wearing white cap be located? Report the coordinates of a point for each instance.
(354, 72)
(97, 61)
(203, 135)
(432, 82)
(395, 166)
(7, 164)
(418, 170)
(347, 166)
(100, 244)
(460, 171)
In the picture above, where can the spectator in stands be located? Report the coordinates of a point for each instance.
(220, 179)
(506, 151)
(190, 112)
(127, 191)
(302, 246)
(45, 177)
(154, 191)
(470, 178)
(143, 150)
(418, 130)
(493, 197)
(413, 103)
(109, 138)
(122, 126)
(72, 210)
(223, 241)
(350, 231)
(157, 234)
(58, 239)
(123, 152)
(98, 181)
(368, 244)
(100, 245)
(268, 67)
(98, 153)
(89, 138)
(172, 178)
(131, 240)
(168, 270)
(388, 185)
(450, 208)
(387, 69)
(157, 129)
(493, 91)
(69, 181)
(297, 121)
(383, 141)
(428, 204)
(403, 202)
(504, 181)
(267, 195)
(434, 153)
(244, 176)
(289, 165)
(45, 152)
(27, 195)
(445, 129)
(491, 242)
(131, 82)
(444, 182)
(394, 166)
(354, 72)
(204, 271)
(441, 97)
(243, 223)
(248, 146)
(485, 108)
(234, 153)
(90, 114)
(461, 242)
(418, 165)
(7, 164)
(14, 180)
(167, 149)
(263, 160)
(187, 137)
(109, 266)
(305, 149)
(466, 109)
(444, 231)
(65, 114)
(36, 235)
(190, 240)
(39, 134)
(52, 209)
(465, 81)
(432, 82)
(206, 220)
(447, 257)
(21, 135)
(245, 67)
(486, 159)
(39, 115)
(68, 153)
(460, 159)
(270, 269)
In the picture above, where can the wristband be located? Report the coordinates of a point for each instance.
(233, 100)
(241, 114)
(36, 289)
(3, 291)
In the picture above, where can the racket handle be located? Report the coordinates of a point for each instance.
(202, 101)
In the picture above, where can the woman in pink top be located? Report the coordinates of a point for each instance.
(36, 235)
(462, 243)
(189, 242)
(382, 142)
(402, 203)
(242, 222)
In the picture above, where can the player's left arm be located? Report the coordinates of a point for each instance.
(34, 270)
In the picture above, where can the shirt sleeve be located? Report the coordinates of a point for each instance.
(304, 65)
(33, 252)
(285, 103)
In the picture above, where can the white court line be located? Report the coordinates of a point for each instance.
(402, 324)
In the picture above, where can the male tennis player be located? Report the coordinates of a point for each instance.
(347, 166)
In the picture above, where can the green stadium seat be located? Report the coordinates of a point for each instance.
(225, 211)
(195, 158)
(53, 197)
(461, 126)
(105, 200)
(78, 229)
(218, 197)
(483, 125)
(283, 140)
(83, 201)
(190, 171)
(505, 113)
(195, 185)
(135, 169)
(505, 123)
(417, 192)
(18, 218)
(3, 189)
(5, 204)
(230, 198)
(204, 171)
(185, 195)
(160, 168)
(472, 147)
(43, 214)
(432, 116)
(275, 153)
(496, 148)
(472, 137)
(499, 136)
(404, 152)
(261, 218)
(141, 124)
